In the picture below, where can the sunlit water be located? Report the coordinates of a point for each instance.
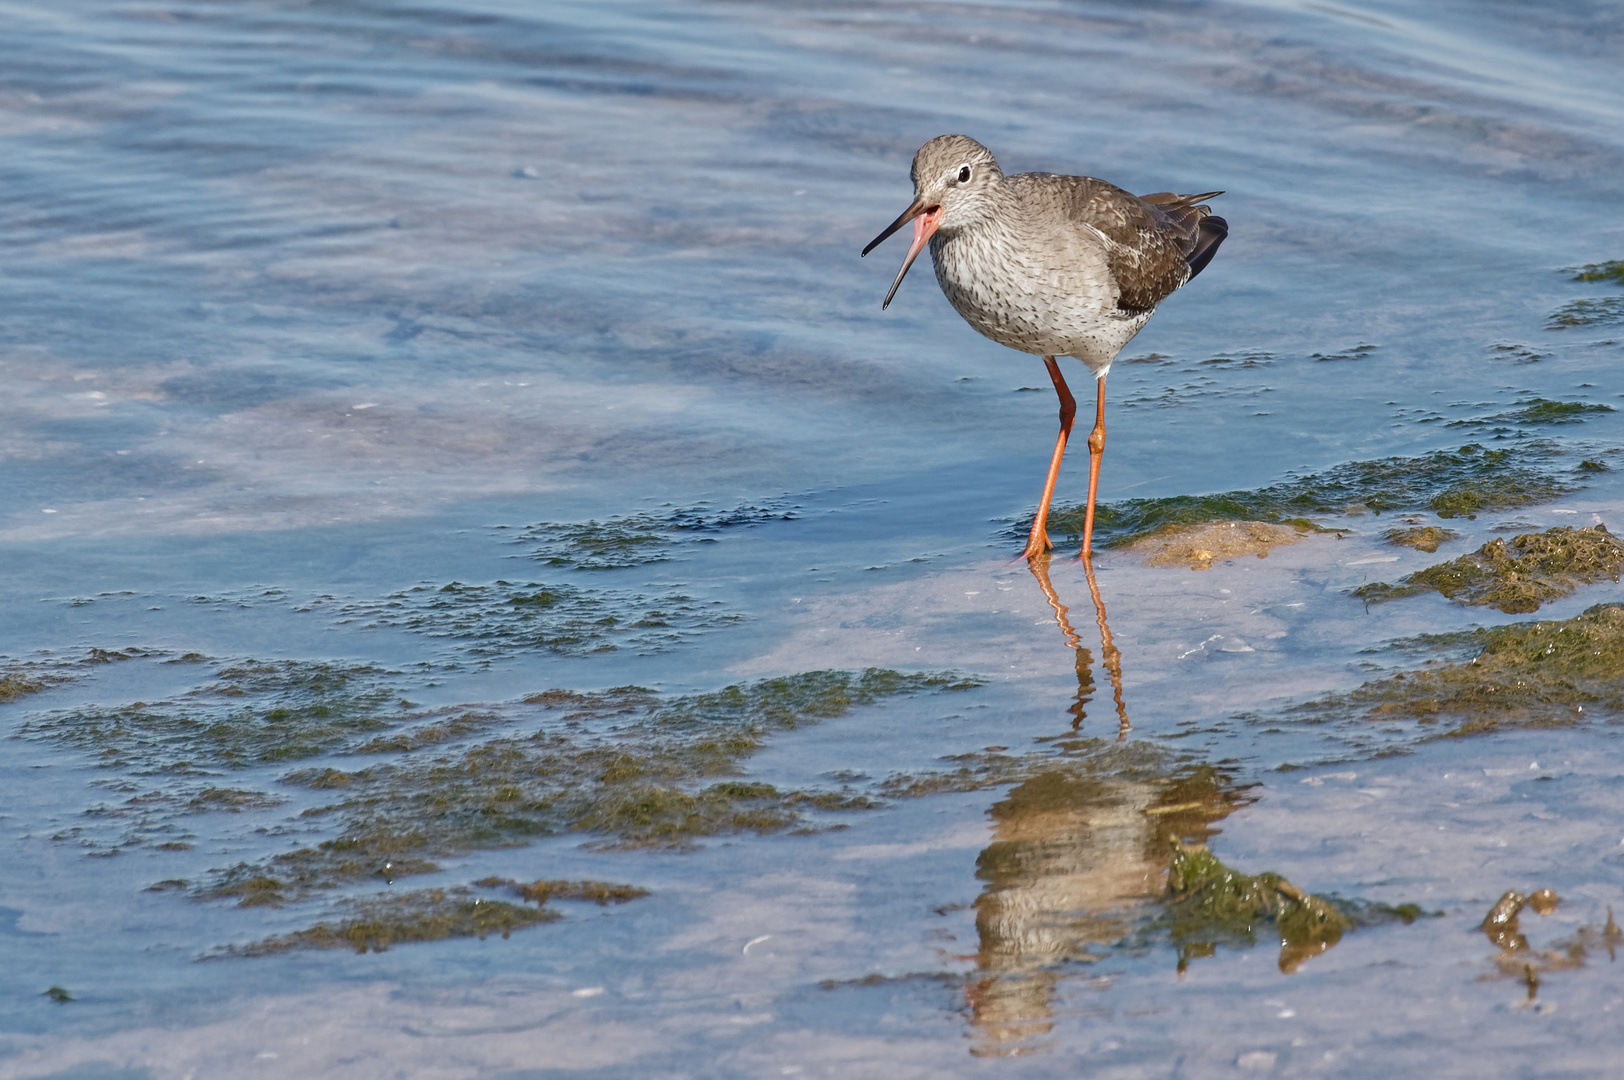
(307, 305)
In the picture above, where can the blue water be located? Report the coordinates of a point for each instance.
(301, 302)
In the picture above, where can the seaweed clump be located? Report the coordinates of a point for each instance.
(1450, 483)
(1612, 270)
(1421, 538)
(14, 685)
(1550, 673)
(1517, 575)
(1606, 311)
(1209, 904)
(661, 773)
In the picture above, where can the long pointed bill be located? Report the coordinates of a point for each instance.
(925, 222)
(906, 216)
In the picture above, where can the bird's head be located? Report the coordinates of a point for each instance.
(954, 178)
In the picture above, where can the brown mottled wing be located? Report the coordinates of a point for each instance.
(1147, 246)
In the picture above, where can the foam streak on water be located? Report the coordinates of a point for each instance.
(369, 368)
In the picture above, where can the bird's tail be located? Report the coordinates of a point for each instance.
(1205, 231)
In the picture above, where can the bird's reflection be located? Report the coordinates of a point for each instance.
(1071, 858)
(1077, 854)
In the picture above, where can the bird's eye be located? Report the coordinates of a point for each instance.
(964, 174)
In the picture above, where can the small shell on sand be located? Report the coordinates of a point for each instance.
(1199, 546)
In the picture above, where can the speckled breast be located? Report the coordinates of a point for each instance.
(1049, 298)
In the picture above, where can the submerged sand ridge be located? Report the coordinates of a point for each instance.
(1199, 546)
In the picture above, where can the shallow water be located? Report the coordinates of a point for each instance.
(313, 313)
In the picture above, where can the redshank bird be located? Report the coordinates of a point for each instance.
(1052, 265)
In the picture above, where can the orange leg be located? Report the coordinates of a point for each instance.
(1038, 541)
(1096, 451)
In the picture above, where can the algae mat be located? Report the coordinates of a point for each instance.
(1461, 483)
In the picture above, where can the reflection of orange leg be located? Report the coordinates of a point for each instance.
(1038, 541)
(1096, 451)
(1062, 617)
(1112, 654)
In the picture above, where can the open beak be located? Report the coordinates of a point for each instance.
(925, 221)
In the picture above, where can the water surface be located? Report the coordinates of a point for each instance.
(313, 311)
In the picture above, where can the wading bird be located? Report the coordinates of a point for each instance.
(1052, 265)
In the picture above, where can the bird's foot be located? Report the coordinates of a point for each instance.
(1037, 546)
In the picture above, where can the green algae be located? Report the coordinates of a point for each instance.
(1539, 411)
(1606, 311)
(251, 713)
(1517, 575)
(20, 679)
(14, 685)
(499, 618)
(1421, 538)
(626, 766)
(503, 617)
(376, 923)
(59, 995)
(156, 818)
(1209, 904)
(622, 542)
(1550, 673)
(232, 800)
(1450, 483)
(612, 545)
(1612, 270)
(602, 893)
(456, 727)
